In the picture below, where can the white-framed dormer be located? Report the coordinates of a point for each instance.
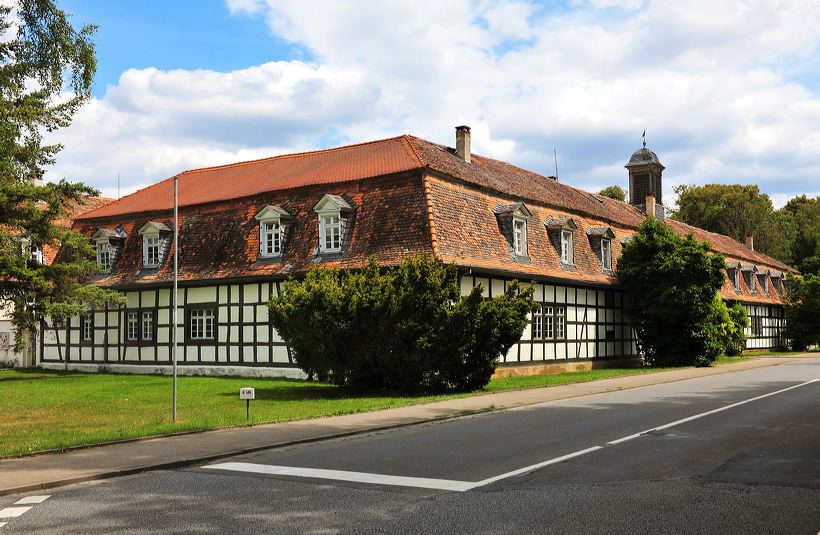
(272, 230)
(563, 229)
(104, 250)
(513, 222)
(600, 239)
(152, 245)
(331, 211)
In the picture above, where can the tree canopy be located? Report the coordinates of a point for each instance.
(404, 328)
(46, 70)
(613, 192)
(790, 234)
(678, 315)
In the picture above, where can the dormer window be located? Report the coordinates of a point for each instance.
(107, 242)
(733, 271)
(737, 280)
(333, 212)
(606, 253)
(561, 231)
(512, 222)
(600, 238)
(520, 237)
(330, 233)
(566, 247)
(749, 275)
(763, 276)
(153, 243)
(104, 255)
(272, 230)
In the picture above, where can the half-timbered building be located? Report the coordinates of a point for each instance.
(246, 227)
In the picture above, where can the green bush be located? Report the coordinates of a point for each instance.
(675, 310)
(735, 331)
(803, 311)
(405, 328)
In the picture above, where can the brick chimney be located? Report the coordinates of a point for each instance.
(650, 205)
(463, 142)
(750, 241)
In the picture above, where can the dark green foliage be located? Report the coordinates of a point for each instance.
(803, 311)
(673, 282)
(405, 328)
(46, 70)
(613, 192)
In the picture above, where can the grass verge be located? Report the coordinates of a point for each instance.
(44, 410)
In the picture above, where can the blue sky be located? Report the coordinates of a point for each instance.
(728, 91)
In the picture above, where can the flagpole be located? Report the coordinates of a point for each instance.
(174, 295)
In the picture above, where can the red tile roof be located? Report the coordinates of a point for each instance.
(225, 182)
(412, 196)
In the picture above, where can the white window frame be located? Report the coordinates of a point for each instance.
(87, 325)
(538, 323)
(520, 236)
(270, 238)
(560, 323)
(736, 281)
(766, 284)
(566, 247)
(202, 324)
(149, 242)
(132, 331)
(549, 322)
(324, 227)
(606, 253)
(146, 325)
(104, 254)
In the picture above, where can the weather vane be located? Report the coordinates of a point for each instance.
(644, 138)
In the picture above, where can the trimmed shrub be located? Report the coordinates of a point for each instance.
(803, 311)
(675, 310)
(735, 331)
(405, 328)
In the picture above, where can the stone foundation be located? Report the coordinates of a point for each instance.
(544, 368)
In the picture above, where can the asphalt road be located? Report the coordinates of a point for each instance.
(732, 453)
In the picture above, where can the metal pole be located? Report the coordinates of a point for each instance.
(174, 295)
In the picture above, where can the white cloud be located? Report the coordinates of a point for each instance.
(717, 85)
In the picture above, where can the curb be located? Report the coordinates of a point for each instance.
(183, 463)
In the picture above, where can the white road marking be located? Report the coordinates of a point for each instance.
(13, 512)
(31, 499)
(3, 524)
(461, 486)
(707, 413)
(339, 475)
(533, 467)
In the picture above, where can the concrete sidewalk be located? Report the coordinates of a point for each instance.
(57, 469)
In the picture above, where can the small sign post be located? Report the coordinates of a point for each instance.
(247, 394)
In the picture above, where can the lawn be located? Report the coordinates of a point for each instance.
(43, 410)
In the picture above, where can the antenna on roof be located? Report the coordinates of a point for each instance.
(644, 138)
(555, 154)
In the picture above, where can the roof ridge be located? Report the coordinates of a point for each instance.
(290, 155)
(407, 139)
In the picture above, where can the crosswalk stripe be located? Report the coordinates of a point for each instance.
(13, 512)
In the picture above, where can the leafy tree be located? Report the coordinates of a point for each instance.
(405, 328)
(674, 282)
(46, 70)
(803, 311)
(733, 210)
(805, 246)
(613, 192)
(735, 328)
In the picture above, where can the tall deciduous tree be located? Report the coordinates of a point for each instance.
(677, 313)
(46, 70)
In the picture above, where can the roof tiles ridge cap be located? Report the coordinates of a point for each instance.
(289, 155)
(408, 140)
